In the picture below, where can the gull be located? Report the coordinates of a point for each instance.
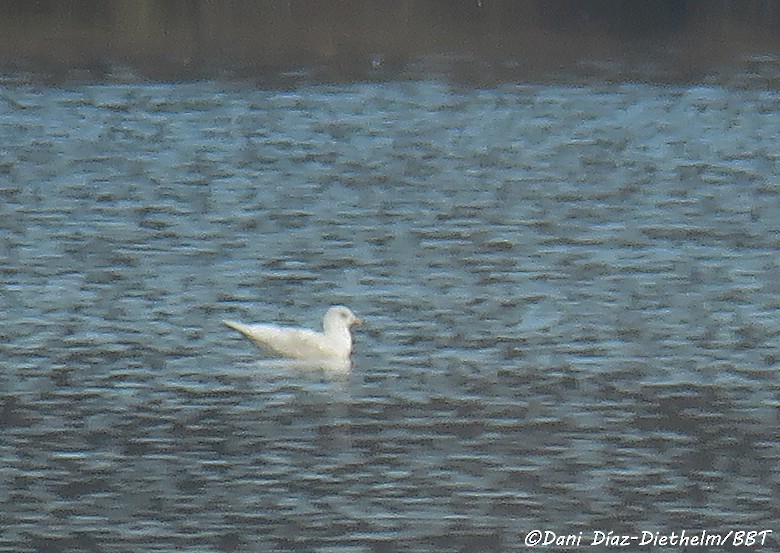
(333, 345)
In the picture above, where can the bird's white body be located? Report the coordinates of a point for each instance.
(333, 344)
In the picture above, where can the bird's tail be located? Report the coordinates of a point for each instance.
(241, 327)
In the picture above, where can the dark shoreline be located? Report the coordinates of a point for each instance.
(469, 41)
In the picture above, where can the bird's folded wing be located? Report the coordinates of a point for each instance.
(289, 342)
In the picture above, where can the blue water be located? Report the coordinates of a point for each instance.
(571, 301)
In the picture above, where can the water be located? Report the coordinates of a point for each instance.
(571, 299)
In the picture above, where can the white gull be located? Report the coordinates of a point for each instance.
(334, 344)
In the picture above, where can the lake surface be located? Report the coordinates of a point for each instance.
(571, 298)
